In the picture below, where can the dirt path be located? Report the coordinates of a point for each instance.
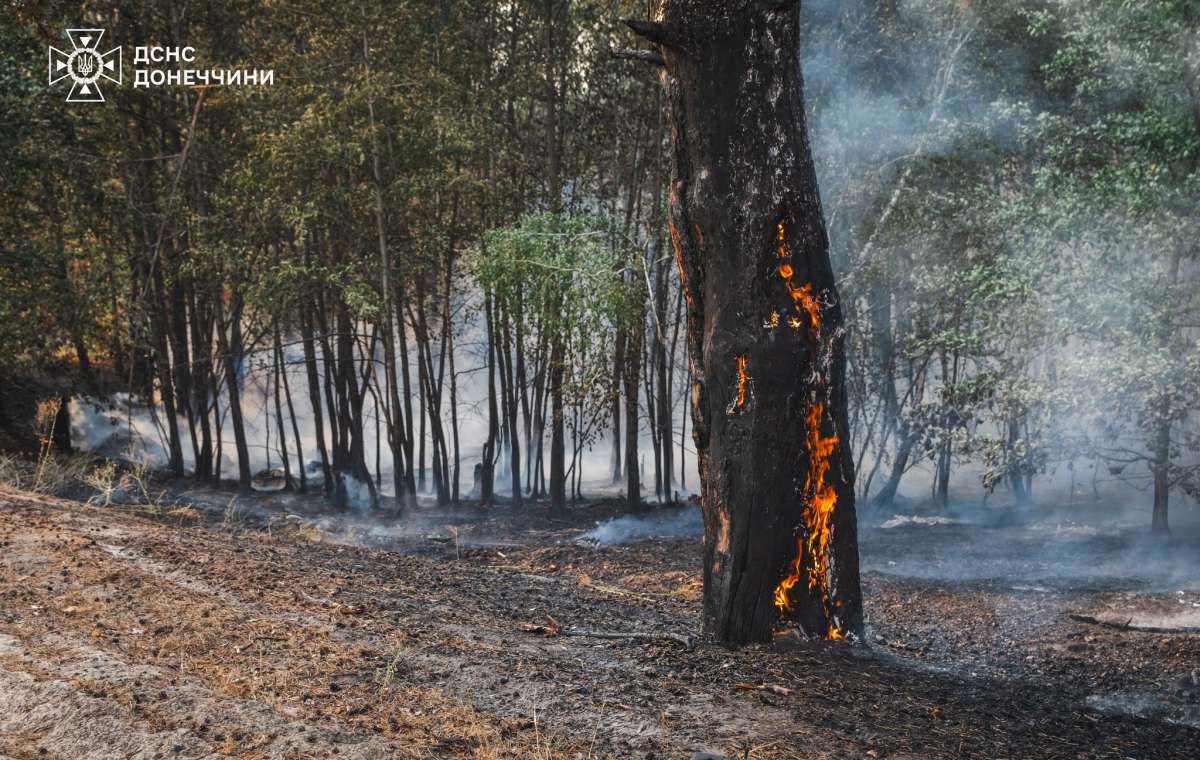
(122, 636)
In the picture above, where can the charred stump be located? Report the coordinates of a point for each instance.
(765, 334)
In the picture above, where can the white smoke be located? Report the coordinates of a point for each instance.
(677, 522)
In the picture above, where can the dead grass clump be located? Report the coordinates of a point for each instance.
(14, 472)
(294, 528)
(56, 475)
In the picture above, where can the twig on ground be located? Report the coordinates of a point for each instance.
(553, 628)
(587, 582)
(1129, 626)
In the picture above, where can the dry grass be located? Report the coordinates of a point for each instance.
(13, 471)
(51, 474)
(267, 646)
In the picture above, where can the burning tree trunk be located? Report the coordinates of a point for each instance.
(765, 332)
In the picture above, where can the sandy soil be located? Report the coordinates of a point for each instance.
(191, 634)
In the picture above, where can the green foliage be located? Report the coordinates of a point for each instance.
(560, 278)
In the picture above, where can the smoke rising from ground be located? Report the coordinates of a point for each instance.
(1042, 549)
(112, 428)
(678, 522)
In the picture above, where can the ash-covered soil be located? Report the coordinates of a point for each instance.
(239, 632)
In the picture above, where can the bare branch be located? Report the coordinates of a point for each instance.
(645, 56)
(659, 34)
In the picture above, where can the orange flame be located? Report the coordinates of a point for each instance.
(742, 380)
(820, 497)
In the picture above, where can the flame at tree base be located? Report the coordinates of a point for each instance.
(819, 496)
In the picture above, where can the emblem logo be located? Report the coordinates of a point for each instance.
(85, 65)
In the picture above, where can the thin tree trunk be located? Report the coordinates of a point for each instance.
(231, 351)
(314, 398)
(456, 471)
(887, 495)
(510, 410)
(277, 368)
(663, 391)
(202, 380)
(618, 371)
(395, 421)
(1162, 439)
(487, 477)
(410, 483)
(633, 361)
(287, 394)
(558, 454)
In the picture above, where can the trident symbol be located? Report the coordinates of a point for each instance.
(85, 65)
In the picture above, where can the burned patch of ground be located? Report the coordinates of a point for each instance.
(123, 635)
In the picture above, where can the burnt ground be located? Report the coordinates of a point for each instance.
(196, 632)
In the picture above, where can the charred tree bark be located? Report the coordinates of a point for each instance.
(60, 434)
(765, 332)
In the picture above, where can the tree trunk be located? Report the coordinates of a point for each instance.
(410, 483)
(60, 434)
(509, 398)
(395, 421)
(633, 364)
(618, 371)
(314, 398)
(202, 379)
(231, 350)
(1162, 486)
(162, 363)
(663, 386)
(1015, 478)
(887, 495)
(278, 369)
(558, 445)
(764, 325)
(488, 455)
(1162, 435)
(456, 470)
(287, 395)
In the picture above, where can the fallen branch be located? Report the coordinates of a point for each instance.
(587, 582)
(773, 688)
(553, 628)
(1129, 626)
(685, 641)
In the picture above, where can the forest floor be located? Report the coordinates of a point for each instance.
(205, 630)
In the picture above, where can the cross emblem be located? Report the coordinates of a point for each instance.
(85, 65)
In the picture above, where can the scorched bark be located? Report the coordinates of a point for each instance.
(765, 334)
